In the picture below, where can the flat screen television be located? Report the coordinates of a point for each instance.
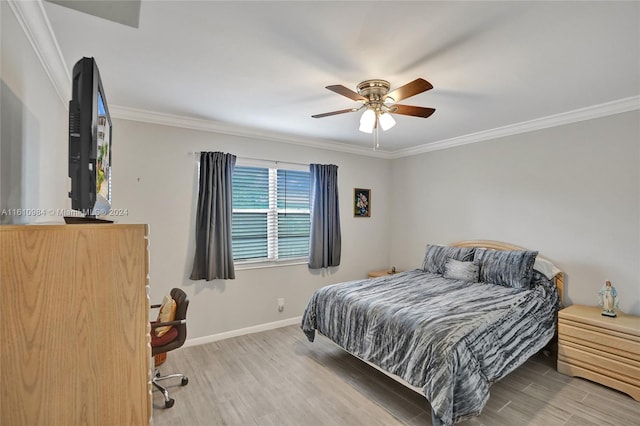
(89, 142)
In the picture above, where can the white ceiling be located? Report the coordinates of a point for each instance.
(263, 66)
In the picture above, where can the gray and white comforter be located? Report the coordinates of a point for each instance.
(451, 338)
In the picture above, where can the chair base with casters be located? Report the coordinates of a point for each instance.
(168, 401)
(172, 339)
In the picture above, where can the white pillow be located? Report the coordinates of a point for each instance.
(459, 270)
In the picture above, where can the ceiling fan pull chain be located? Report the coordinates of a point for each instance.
(376, 139)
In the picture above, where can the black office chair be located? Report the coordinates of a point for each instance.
(173, 339)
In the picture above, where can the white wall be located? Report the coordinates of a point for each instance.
(33, 131)
(155, 180)
(572, 192)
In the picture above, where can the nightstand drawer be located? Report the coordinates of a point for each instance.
(599, 338)
(608, 364)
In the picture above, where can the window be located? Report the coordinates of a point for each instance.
(270, 214)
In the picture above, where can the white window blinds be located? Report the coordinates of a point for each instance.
(270, 214)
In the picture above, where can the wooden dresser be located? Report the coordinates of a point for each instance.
(599, 348)
(75, 325)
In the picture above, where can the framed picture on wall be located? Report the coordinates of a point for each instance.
(361, 202)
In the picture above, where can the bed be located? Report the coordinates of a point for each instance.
(472, 313)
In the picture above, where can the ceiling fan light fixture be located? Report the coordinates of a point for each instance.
(386, 121)
(367, 121)
(380, 102)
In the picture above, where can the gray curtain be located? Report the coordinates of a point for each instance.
(214, 251)
(324, 237)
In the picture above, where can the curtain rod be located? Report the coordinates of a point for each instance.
(259, 159)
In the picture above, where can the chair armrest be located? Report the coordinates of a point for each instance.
(162, 324)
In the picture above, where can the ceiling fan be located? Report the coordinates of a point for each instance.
(380, 103)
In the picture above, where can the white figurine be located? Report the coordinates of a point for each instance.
(608, 299)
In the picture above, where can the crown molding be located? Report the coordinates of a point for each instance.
(596, 111)
(582, 114)
(34, 22)
(134, 114)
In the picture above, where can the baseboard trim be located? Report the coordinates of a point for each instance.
(242, 331)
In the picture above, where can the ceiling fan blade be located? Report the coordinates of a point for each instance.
(342, 111)
(344, 91)
(415, 111)
(418, 85)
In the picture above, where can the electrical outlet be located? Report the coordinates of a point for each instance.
(281, 304)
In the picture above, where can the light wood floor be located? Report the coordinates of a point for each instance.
(278, 378)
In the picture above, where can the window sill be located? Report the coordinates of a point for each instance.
(269, 264)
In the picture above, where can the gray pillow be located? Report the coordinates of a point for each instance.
(436, 256)
(507, 268)
(464, 271)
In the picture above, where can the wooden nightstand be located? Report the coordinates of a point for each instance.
(605, 350)
(385, 272)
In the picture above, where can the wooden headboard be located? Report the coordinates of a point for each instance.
(558, 280)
